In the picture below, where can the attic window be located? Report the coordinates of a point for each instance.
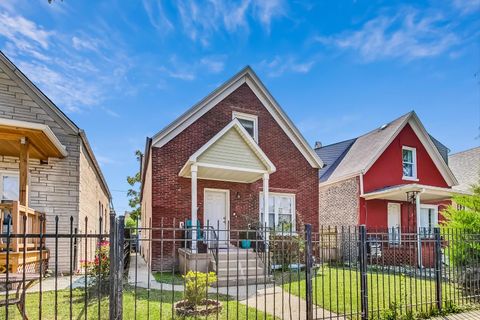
(249, 122)
(409, 163)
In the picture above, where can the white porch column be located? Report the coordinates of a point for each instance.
(419, 240)
(266, 178)
(194, 170)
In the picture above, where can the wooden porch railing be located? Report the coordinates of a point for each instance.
(18, 245)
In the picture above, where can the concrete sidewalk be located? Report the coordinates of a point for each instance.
(471, 315)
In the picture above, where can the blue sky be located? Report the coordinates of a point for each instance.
(122, 70)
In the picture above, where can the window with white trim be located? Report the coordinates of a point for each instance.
(249, 122)
(9, 186)
(409, 163)
(428, 219)
(281, 211)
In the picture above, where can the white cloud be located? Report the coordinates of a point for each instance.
(19, 29)
(156, 14)
(201, 20)
(406, 34)
(467, 6)
(214, 64)
(279, 65)
(268, 10)
(77, 72)
(84, 43)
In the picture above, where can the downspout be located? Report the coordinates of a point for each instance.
(419, 240)
(361, 197)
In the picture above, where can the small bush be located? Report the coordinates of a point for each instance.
(196, 285)
(99, 268)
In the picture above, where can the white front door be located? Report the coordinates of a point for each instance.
(394, 222)
(216, 213)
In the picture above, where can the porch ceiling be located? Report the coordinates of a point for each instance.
(399, 193)
(44, 144)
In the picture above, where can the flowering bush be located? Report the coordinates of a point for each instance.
(99, 268)
(196, 285)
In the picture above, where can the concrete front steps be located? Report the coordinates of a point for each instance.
(239, 267)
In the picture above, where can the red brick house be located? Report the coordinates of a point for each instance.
(394, 177)
(222, 158)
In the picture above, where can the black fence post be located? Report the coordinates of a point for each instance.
(120, 264)
(113, 269)
(308, 271)
(363, 271)
(438, 267)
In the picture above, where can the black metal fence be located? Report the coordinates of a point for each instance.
(237, 273)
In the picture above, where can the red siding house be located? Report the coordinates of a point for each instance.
(222, 159)
(393, 179)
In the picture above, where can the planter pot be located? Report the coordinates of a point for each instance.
(245, 244)
(184, 309)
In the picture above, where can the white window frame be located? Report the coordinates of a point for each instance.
(414, 164)
(250, 117)
(435, 222)
(279, 194)
(7, 173)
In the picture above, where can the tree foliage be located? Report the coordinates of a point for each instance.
(134, 192)
(462, 226)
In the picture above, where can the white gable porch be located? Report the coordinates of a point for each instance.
(231, 155)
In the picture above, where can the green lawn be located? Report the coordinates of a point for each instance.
(338, 289)
(168, 277)
(154, 308)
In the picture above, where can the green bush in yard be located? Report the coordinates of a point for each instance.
(461, 230)
(196, 285)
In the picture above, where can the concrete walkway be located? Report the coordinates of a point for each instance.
(266, 298)
(472, 315)
(283, 305)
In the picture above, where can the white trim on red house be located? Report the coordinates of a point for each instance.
(424, 138)
(248, 76)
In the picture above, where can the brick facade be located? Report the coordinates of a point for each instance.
(339, 203)
(171, 194)
(56, 187)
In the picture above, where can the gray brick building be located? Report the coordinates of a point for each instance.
(69, 185)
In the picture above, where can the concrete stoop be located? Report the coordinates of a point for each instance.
(239, 267)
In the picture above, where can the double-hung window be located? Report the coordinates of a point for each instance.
(9, 186)
(409, 163)
(249, 122)
(281, 211)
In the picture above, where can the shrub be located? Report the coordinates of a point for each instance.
(286, 249)
(196, 285)
(99, 268)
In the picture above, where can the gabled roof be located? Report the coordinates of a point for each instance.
(48, 106)
(366, 149)
(465, 166)
(248, 76)
(331, 156)
(259, 163)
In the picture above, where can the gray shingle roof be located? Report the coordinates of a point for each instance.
(352, 156)
(366, 147)
(331, 156)
(466, 167)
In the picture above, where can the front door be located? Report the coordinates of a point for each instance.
(216, 213)
(394, 222)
